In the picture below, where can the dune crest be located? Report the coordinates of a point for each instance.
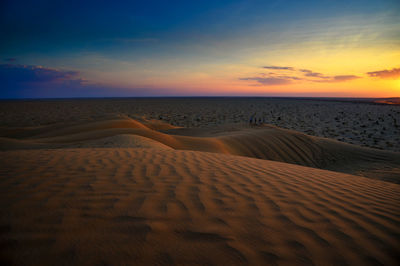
(264, 142)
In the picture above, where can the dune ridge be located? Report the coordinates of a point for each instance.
(142, 206)
(355, 121)
(263, 142)
(118, 190)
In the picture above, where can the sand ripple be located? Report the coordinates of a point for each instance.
(147, 206)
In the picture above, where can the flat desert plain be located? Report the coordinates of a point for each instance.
(199, 181)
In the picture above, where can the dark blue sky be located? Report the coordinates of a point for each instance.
(65, 25)
(89, 37)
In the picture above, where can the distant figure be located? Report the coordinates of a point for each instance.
(252, 119)
(256, 120)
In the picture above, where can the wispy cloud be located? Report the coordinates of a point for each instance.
(341, 78)
(27, 73)
(310, 73)
(278, 67)
(273, 78)
(385, 74)
(269, 80)
(333, 79)
(30, 81)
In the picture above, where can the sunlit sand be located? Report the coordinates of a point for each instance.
(121, 188)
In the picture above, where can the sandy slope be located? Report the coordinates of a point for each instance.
(150, 206)
(122, 191)
(356, 121)
(265, 142)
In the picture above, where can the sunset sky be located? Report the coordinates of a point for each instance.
(328, 48)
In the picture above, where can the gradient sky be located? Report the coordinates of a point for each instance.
(199, 48)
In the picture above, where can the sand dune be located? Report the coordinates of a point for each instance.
(121, 141)
(122, 191)
(354, 121)
(264, 142)
(142, 206)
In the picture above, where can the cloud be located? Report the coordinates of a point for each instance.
(341, 78)
(312, 74)
(293, 78)
(269, 80)
(316, 75)
(25, 73)
(385, 74)
(276, 78)
(338, 78)
(278, 67)
(22, 81)
(10, 59)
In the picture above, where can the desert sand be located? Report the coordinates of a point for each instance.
(117, 188)
(355, 121)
